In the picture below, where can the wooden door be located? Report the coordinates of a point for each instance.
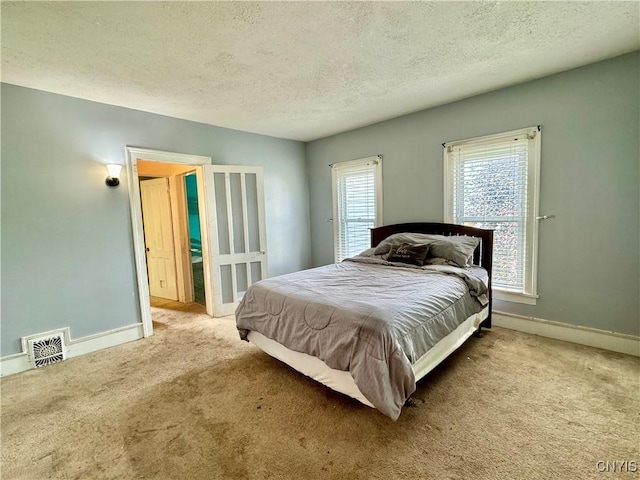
(158, 237)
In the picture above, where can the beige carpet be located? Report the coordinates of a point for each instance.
(194, 402)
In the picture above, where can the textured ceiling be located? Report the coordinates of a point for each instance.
(301, 70)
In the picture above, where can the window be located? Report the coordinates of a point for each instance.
(357, 204)
(492, 182)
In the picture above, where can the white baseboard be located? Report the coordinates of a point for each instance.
(19, 362)
(592, 337)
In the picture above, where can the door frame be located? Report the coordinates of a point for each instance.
(180, 221)
(132, 155)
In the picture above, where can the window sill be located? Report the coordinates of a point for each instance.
(514, 297)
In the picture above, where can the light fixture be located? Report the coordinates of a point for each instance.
(113, 180)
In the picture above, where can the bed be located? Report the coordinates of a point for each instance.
(371, 326)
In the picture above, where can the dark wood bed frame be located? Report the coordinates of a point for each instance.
(481, 256)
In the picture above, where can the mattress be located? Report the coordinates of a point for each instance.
(342, 381)
(373, 321)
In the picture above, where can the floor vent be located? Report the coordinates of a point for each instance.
(46, 350)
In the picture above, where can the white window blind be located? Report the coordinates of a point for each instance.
(357, 195)
(491, 182)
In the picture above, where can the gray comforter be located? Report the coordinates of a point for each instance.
(366, 316)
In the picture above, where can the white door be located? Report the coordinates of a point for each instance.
(158, 238)
(237, 237)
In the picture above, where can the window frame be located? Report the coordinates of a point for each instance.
(376, 160)
(529, 295)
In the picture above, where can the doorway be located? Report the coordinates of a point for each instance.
(195, 237)
(170, 218)
(231, 208)
(164, 161)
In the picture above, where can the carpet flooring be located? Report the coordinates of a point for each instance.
(195, 402)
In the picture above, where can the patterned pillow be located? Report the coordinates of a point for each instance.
(409, 253)
(439, 261)
(398, 238)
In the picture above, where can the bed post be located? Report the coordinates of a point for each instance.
(487, 263)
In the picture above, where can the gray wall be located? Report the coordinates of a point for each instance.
(67, 257)
(588, 270)
(67, 252)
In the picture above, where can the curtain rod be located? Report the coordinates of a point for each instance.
(379, 155)
(444, 144)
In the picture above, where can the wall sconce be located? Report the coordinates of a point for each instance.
(113, 180)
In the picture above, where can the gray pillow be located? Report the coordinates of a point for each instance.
(398, 238)
(458, 249)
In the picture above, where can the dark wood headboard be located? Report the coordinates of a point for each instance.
(482, 255)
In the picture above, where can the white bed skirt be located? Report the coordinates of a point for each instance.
(342, 382)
